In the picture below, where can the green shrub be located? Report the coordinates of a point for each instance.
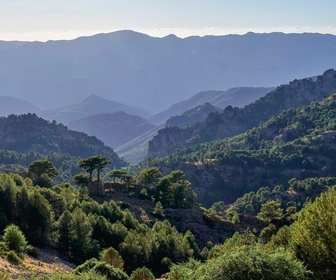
(143, 194)
(254, 263)
(15, 239)
(3, 248)
(32, 251)
(185, 271)
(4, 276)
(13, 257)
(158, 210)
(87, 266)
(142, 274)
(101, 268)
(110, 272)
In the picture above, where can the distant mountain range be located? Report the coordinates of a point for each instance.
(117, 125)
(91, 105)
(154, 73)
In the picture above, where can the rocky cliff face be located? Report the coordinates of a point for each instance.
(233, 121)
(168, 140)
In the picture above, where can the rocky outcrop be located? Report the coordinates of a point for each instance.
(193, 220)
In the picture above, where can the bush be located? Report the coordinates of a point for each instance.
(13, 257)
(254, 263)
(110, 272)
(251, 262)
(87, 266)
(32, 251)
(185, 271)
(313, 236)
(15, 239)
(3, 248)
(101, 268)
(143, 194)
(158, 210)
(142, 274)
(4, 276)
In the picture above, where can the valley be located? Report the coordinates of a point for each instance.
(171, 182)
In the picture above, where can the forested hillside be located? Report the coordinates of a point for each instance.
(26, 138)
(29, 133)
(233, 120)
(297, 143)
(207, 211)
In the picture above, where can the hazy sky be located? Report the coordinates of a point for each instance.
(66, 19)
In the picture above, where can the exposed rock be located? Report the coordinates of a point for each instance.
(193, 220)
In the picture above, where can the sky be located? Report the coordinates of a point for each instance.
(43, 20)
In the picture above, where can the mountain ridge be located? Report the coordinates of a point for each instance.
(238, 96)
(233, 120)
(91, 105)
(151, 72)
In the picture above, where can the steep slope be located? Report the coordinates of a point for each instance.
(192, 111)
(114, 129)
(239, 96)
(233, 120)
(155, 73)
(192, 116)
(29, 133)
(11, 105)
(136, 150)
(297, 143)
(91, 105)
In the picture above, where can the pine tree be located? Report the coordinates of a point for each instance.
(112, 257)
(313, 235)
(65, 227)
(158, 210)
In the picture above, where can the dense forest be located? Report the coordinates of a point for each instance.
(257, 205)
(271, 234)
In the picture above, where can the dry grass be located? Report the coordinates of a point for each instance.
(48, 263)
